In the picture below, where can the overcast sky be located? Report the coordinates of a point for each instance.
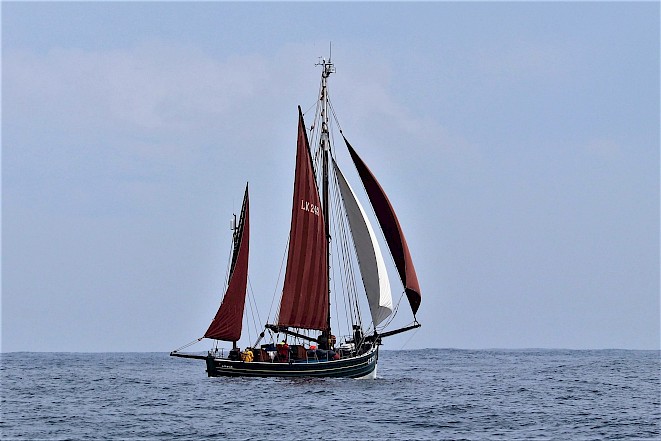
(518, 142)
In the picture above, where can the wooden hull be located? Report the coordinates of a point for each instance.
(356, 367)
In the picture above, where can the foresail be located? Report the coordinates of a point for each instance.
(227, 323)
(370, 258)
(304, 301)
(391, 230)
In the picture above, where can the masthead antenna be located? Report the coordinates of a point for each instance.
(328, 67)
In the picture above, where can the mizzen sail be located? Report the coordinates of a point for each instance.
(391, 230)
(227, 323)
(370, 259)
(304, 301)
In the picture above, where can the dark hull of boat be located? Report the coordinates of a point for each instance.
(356, 367)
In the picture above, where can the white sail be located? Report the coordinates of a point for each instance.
(370, 259)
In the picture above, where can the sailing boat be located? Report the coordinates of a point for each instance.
(301, 341)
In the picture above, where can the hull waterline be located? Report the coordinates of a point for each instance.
(362, 366)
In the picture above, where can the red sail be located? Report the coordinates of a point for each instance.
(227, 323)
(305, 292)
(391, 230)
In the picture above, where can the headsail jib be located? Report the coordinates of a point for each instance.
(227, 323)
(370, 259)
(391, 230)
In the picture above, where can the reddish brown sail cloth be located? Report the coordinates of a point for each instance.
(391, 230)
(228, 321)
(304, 301)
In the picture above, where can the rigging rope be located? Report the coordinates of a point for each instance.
(334, 115)
(409, 339)
(188, 344)
(394, 312)
(345, 237)
(248, 326)
(346, 254)
(252, 297)
(308, 109)
(277, 283)
(253, 311)
(348, 314)
(339, 222)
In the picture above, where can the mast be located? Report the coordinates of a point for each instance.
(328, 68)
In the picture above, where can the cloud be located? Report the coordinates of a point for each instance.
(152, 86)
(127, 124)
(142, 112)
(380, 116)
(161, 88)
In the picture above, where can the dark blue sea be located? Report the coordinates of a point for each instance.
(422, 394)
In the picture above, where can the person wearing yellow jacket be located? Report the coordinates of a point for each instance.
(246, 355)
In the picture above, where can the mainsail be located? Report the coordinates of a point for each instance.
(304, 301)
(370, 259)
(391, 230)
(227, 323)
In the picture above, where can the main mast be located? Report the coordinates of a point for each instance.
(328, 68)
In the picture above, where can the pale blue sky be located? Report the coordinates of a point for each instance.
(519, 143)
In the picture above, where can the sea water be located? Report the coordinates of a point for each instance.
(419, 394)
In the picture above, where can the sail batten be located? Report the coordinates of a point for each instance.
(370, 259)
(228, 321)
(392, 230)
(304, 302)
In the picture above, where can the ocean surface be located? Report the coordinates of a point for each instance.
(421, 394)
